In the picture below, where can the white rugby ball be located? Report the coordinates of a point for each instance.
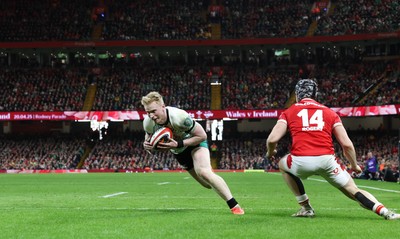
(161, 135)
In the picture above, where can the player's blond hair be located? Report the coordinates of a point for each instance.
(151, 97)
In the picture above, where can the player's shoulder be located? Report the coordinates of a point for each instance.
(178, 117)
(148, 124)
(147, 120)
(175, 111)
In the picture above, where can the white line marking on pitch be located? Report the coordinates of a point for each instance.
(113, 195)
(380, 189)
(361, 186)
(163, 183)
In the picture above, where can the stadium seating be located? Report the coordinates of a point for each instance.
(248, 82)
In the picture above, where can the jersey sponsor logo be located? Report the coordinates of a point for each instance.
(335, 171)
(188, 122)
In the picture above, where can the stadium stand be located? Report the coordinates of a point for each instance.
(349, 73)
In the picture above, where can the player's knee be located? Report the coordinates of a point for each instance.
(204, 174)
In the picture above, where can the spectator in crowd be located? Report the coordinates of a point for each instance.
(388, 174)
(371, 167)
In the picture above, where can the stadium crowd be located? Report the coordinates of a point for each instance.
(155, 20)
(59, 89)
(36, 20)
(116, 153)
(24, 20)
(349, 17)
(122, 89)
(41, 152)
(246, 84)
(264, 19)
(44, 89)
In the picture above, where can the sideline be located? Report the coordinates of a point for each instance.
(360, 186)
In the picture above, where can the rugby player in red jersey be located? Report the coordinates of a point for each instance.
(312, 126)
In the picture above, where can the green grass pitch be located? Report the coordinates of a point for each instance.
(173, 205)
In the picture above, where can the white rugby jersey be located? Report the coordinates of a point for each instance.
(178, 120)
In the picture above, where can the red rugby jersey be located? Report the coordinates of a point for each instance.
(310, 124)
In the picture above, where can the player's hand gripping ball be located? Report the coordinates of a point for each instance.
(162, 135)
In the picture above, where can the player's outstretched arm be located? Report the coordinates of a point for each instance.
(347, 146)
(276, 134)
